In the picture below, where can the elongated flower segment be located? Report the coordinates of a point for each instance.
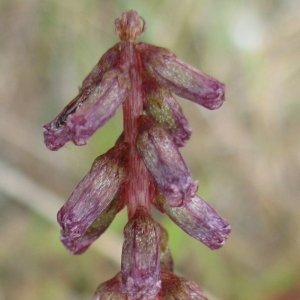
(141, 256)
(163, 160)
(180, 78)
(88, 212)
(143, 169)
(198, 219)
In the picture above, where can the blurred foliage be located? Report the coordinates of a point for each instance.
(246, 155)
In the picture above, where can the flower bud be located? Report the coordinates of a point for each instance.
(198, 219)
(163, 160)
(130, 26)
(102, 93)
(181, 78)
(81, 217)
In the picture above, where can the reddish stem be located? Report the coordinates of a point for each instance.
(137, 190)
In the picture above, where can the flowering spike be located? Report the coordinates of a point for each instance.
(164, 162)
(79, 217)
(140, 256)
(144, 167)
(181, 78)
(198, 219)
(164, 109)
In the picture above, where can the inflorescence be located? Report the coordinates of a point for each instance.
(143, 169)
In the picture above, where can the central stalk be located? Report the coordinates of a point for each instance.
(137, 189)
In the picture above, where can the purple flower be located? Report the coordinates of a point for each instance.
(144, 167)
(141, 256)
(181, 78)
(101, 94)
(163, 160)
(198, 219)
(95, 201)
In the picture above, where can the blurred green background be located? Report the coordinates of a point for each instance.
(246, 155)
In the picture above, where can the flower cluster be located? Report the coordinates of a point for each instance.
(144, 168)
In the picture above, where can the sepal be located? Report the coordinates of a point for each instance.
(164, 109)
